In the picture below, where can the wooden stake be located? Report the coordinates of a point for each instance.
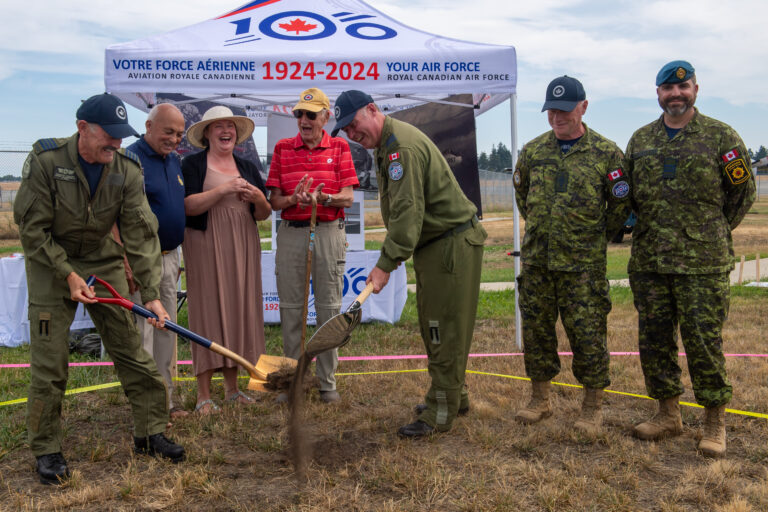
(741, 268)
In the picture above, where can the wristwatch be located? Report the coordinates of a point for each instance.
(328, 200)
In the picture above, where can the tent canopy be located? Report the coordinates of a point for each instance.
(263, 54)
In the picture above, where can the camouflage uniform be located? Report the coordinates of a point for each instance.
(428, 216)
(689, 193)
(572, 203)
(63, 229)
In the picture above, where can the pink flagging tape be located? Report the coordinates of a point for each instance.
(390, 357)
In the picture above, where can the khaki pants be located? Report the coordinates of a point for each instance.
(328, 262)
(161, 344)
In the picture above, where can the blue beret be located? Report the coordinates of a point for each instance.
(675, 72)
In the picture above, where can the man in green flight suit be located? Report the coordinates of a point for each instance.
(427, 216)
(73, 190)
(574, 196)
(691, 186)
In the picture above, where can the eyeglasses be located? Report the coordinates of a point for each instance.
(310, 115)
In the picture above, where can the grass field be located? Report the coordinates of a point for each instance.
(239, 460)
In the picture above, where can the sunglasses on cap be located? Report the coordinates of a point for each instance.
(310, 115)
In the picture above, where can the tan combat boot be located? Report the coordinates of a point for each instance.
(591, 416)
(666, 422)
(539, 407)
(712, 442)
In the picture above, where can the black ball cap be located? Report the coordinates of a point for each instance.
(108, 112)
(564, 93)
(347, 105)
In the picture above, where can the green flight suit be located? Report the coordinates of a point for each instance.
(689, 193)
(572, 204)
(428, 216)
(63, 229)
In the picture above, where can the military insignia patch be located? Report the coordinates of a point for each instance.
(395, 171)
(731, 155)
(737, 171)
(63, 174)
(620, 190)
(27, 167)
(394, 156)
(517, 179)
(615, 174)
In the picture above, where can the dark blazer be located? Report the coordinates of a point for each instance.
(194, 168)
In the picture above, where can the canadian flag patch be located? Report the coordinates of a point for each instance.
(394, 156)
(731, 155)
(615, 174)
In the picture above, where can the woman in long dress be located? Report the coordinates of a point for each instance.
(225, 196)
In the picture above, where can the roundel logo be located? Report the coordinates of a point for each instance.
(336, 112)
(120, 112)
(558, 91)
(306, 25)
(293, 25)
(308, 97)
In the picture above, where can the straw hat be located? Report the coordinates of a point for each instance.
(243, 125)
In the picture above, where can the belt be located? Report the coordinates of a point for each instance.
(169, 251)
(451, 232)
(305, 223)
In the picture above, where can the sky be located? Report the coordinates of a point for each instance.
(52, 56)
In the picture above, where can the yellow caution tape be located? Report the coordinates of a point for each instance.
(349, 374)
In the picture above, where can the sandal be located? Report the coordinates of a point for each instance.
(240, 398)
(207, 407)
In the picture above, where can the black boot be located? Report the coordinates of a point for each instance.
(416, 429)
(158, 444)
(52, 468)
(420, 408)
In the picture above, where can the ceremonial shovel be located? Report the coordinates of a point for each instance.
(264, 366)
(337, 331)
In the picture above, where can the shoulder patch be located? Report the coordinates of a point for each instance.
(730, 155)
(395, 171)
(517, 178)
(131, 156)
(737, 170)
(45, 145)
(615, 174)
(27, 167)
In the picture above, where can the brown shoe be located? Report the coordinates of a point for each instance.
(712, 442)
(666, 422)
(539, 407)
(591, 416)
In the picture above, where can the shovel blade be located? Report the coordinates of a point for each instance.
(334, 333)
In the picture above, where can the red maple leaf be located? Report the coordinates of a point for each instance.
(297, 26)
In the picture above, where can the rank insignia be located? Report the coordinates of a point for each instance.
(394, 156)
(620, 190)
(516, 178)
(615, 174)
(395, 171)
(680, 73)
(737, 171)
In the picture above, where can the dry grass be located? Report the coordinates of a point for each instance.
(239, 460)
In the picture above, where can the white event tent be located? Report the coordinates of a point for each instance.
(261, 55)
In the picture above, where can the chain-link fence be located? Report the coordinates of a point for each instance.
(496, 191)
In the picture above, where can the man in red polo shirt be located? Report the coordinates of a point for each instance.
(311, 163)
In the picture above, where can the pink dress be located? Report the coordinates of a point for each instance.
(223, 266)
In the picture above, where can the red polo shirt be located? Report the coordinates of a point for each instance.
(329, 162)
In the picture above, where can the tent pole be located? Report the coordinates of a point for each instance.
(516, 223)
